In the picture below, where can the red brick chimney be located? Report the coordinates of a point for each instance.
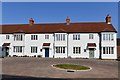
(67, 21)
(31, 21)
(108, 19)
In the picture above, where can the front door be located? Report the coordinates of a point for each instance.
(5, 51)
(91, 53)
(46, 52)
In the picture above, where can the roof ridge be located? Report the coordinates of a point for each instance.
(52, 23)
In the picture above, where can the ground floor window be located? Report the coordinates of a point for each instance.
(33, 49)
(60, 49)
(18, 49)
(76, 50)
(108, 50)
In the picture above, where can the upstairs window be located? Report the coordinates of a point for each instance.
(34, 37)
(108, 37)
(18, 37)
(7, 37)
(76, 36)
(60, 37)
(46, 36)
(91, 36)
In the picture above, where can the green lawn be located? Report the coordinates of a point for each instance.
(71, 66)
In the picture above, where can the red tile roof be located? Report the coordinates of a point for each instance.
(58, 27)
(6, 44)
(91, 44)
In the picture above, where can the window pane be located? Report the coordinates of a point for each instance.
(103, 36)
(106, 36)
(79, 37)
(56, 49)
(63, 49)
(79, 50)
(106, 50)
(112, 50)
(63, 37)
(109, 50)
(112, 37)
(73, 49)
(109, 37)
(103, 50)
(20, 37)
(73, 37)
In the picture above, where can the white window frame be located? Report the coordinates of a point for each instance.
(18, 37)
(60, 50)
(60, 37)
(34, 37)
(91, 36)
(34, 49)
(108, 50)
(7, 36)
(46, 36)
(108, 37)
(18, 49)
(76, 36)
(76, 50)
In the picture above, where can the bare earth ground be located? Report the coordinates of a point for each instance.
(41, 67)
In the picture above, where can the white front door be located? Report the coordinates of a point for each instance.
(91, 53)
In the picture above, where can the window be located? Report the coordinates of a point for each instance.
(112, 50)
(103, 36)
(112, 37)
(76, 50)
(46, 36)
(91, 36)
(76, 36)
(7, 36)
(108, 37)
(34, 37)
(18, 49)
(103, 50)
(108, 50)
(60, 37)
(33, 49)
(84, 50)
(18, 37)
(60, 49)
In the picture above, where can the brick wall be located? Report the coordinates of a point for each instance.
(118, 50)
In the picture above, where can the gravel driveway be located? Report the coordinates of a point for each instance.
(41, 67)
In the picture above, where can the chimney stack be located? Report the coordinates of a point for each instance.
(108, 19)
(67, 21)
(31, 21)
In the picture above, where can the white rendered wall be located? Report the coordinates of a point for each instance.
(17, 43)
(61, 44)
(109, 44)
(84, 39)
(39, 44)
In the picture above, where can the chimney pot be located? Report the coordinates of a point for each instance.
(67, 21)
(108, 19)
(31, 21)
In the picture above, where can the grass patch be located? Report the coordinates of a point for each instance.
(71, 66)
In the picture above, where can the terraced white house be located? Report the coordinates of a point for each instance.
(60, 40)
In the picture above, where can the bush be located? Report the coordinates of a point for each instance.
(39, 56)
